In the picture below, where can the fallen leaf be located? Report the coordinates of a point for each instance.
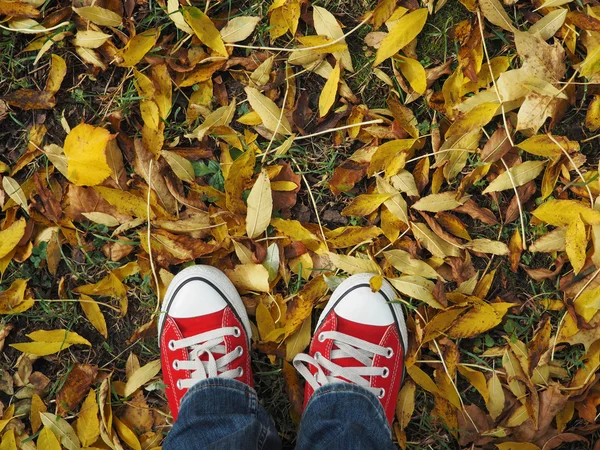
(204, 29)
(61, 428)
(141, 376)
(260, 206)
(353, 265)
(404, 31)
(87, 424)
(75, 387)
(239, 28)
(272, 117)
(99, 16)
(329, 92)
(85, 147)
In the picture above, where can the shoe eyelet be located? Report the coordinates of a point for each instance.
(381, 393)
(240, 350)
(317, 355)
(179, 385)
(321, 337)
(386, 372)
(390, 352)
(171, 345)
(237, 332)
(176, 364)
(241, 372)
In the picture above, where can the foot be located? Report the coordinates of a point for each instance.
(360, 338)
(204, 332)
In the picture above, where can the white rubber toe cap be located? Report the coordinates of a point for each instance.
(185, 303)
(361, 305)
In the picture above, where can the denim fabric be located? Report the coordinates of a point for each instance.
(225, 414)
(222, 414)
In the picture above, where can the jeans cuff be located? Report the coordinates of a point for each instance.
(227, 383)
(341, 387)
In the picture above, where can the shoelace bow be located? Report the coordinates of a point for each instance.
(344, 346)
(208, 343)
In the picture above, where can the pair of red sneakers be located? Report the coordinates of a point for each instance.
(204, 332)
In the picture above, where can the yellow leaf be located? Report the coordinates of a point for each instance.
(477, 380)
(473, 120)
(250, 277)
(251, 118)
(111, 286)
(592, 117)
(127, 434)
(87, 424)
(93, 313)
(576, 244)
(85, 148)
(480, 318)
(99, 16)
(137, 47)
(47, 440)
(181, 167)
(495, 403)
(297, 232)
(327, 97)
(554, 241)
(353, 265)
(102, 218)
(177, 17)
(12, 300)
(494, 12)
(205, 29)
(15, 192)
(10, 237)
(220, 116)
(298, 340)
(239, 28)
(90, 56)
(278, 23)
(61, 428)
(8, 441)
(37, 406)
(326, 25)
(516, 176)
(422, 379)
(432, 242)
(405, 406)
(588, 304)
(414, 72)
(125, 202)
(365, 204)
(440, 202)
(260, 206)
(269, 112)
(141, 376)
(563, 212)
(49, 342)
(417, 287)
(487, 246)
(517, 446)
(90, 39)
(404, 263)
(150, 115)
(284, 186)
(403, 32)
(291, 14)
(58, 70)
(546, 145)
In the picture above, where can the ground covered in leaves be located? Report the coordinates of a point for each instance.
(448, 147)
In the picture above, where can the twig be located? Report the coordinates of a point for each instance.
(512, 181)
(331, 130)
(153, 269)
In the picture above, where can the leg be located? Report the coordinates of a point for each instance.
(344, 416)
(222, 414)
(204, 337)
(354, 369)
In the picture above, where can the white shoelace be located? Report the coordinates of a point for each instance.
(206, 344)
(344, 346)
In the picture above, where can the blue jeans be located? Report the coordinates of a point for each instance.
(225, 414)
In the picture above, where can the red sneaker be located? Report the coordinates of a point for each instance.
(360, 338)
(204, 332)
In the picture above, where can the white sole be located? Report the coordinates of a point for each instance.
(387, 290)
(218, 280)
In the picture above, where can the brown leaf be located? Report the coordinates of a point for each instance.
(525, 193)
(496, 147)
(476, 212)
(75, 388)
(29, 99)
(285, 200)
(346, 175)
